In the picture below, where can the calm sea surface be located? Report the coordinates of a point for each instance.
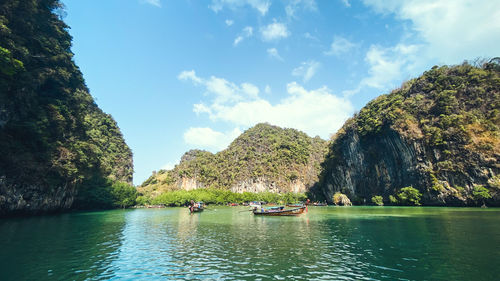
(327, 243)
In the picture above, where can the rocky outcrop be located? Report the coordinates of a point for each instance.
(189, 183)
(423, 136)
(340, 199)
(265, 185)
(15, 198)
(250, 185)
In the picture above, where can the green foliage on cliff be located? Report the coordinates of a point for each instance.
(450, 116)
(378, 200)
(51, 131)
(480, 193)
(446, 105)
(280, 156)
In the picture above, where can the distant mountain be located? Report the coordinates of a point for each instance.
(58, 150)
(263, 158)
(439, 133)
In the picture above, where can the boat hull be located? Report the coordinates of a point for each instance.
(291, 212)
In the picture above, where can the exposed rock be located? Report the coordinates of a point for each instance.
(404, 139)
(190, 183)
(340, 199)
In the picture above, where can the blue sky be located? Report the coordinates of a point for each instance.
(184, 74)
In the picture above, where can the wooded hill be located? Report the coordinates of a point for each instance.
(57, 148)
(439, 133)
(263, 158)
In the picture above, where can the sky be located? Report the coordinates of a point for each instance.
(194, 74)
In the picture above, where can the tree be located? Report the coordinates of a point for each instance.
(480, 193)
(409, 196)
(378, 200)
(124, 195)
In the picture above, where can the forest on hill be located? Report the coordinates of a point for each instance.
(58, 149)
(264, 158)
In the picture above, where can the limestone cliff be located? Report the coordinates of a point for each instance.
(57, 148)
(439, 133)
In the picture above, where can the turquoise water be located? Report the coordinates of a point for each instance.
(223, 243)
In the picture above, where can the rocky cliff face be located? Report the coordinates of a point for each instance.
(255, 185)
(25, 198)
(56, 146)
(438, 134)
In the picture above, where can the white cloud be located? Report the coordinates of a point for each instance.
(207, 138)
(306, 70)
(316, 112)
(245, 33)
(441, 32)
(295, 5)
(453, 30)
(310, 36)
(274, 31)
(388, 67)
(221, 90)
(201, 108)
(229, 22)
(346, 3)
(189, 75)
(339, 46)
(168, 166)
(273, 53)
(250, 90)
(384, 67)
(260, 5)
(156, 3)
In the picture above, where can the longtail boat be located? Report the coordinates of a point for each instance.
(320, 204)
(279, 211)
(198, 207)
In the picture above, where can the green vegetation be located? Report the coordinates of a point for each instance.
(378, 200)
(439, 106)
(447, 119)
(52, 133)
(278, 156)
(106, 194)
(480, 193)
(409, 196)
(124, 195)
(217, 196)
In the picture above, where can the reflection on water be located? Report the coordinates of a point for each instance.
(223, 243)
(64, 247)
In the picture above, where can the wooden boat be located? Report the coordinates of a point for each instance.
(198, 207)
(279, 211)
(320, 204)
